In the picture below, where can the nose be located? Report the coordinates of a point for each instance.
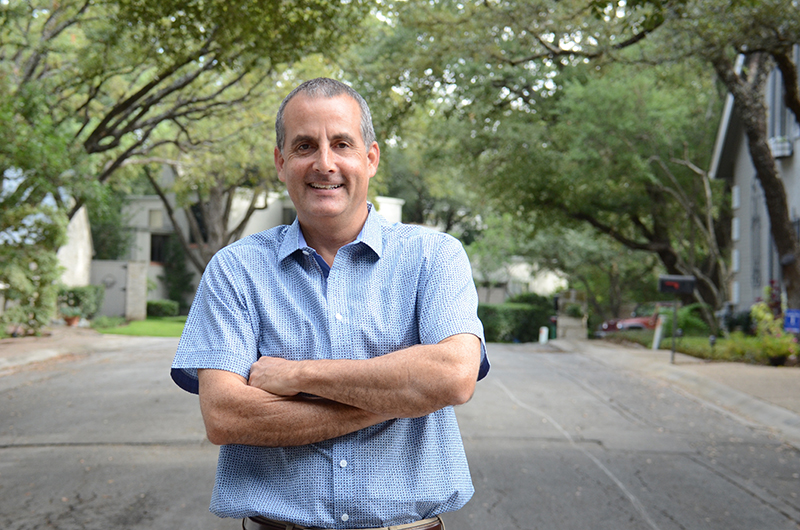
(324, 160)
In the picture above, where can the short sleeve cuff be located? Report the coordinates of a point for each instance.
(185, 366)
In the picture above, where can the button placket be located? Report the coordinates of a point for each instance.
(341, 457)
(342, 479)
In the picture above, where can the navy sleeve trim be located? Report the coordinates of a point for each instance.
(189, 384)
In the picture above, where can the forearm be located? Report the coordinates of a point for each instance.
(241, 414)
(411, 382)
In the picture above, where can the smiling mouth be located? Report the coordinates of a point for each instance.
(325, 186)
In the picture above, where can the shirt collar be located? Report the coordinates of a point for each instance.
(370, 236)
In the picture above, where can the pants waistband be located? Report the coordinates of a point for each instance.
(263, 523)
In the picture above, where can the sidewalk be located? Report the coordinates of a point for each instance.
(56, 341)
(762, 396)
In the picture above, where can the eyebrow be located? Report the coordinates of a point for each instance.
(300, 139)
(346, 137)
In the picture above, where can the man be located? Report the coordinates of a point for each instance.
(328, 354)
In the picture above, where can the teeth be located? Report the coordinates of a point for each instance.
(325, 187)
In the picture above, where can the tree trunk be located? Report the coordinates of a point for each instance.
(749, 103)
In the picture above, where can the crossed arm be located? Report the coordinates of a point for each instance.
(269, 410)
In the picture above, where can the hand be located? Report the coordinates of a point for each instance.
(273, 375)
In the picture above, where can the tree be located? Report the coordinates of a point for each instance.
(207, 182)
(177, 277)
(495, 249)
(34, 162)
(618, 149)
(513, 54)
(513, 82)
(432, 188)
(631, 172)
(123, 70)
(111, 236)
(609, 273)
(143, 81)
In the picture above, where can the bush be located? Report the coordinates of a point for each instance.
(177, 277)
(89, 299)
(776, 344)
(162, 308)
(690, 321)
(541, 304)
(512, 322)
(738, 347)
(741, 321)
(70, 311)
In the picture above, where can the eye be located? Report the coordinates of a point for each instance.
(342, 143)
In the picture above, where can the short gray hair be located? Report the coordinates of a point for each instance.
(328, 88)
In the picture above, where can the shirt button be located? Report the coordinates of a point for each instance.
(338, 316)
(345, 517)
(343, 463)
(306, 253)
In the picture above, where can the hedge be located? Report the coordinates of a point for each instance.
(89, 298)
(162, 308)
(512, 322)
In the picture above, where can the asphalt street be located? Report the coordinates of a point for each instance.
(557, 438)
(562, 440)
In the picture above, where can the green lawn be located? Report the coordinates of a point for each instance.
(736, 348)
(152, 327)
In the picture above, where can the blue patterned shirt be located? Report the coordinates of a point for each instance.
(394, 287)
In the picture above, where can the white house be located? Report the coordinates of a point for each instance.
(754, 261)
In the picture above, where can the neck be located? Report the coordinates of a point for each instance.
(328, 238)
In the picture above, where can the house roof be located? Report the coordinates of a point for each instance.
(728, 137)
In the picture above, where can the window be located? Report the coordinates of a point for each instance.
(155, 219)
(781, 124)
(755, 234)
(158, 247)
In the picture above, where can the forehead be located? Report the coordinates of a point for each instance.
(336, 115)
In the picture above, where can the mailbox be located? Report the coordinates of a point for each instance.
(671, 283)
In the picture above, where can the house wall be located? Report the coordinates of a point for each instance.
(390, 207)
(113, 276)
(76, 255)
(125, 285)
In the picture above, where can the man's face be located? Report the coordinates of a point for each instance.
(325, 164)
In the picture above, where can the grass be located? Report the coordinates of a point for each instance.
(152, 327)
(737, 348)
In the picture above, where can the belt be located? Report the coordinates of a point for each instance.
(262, 523)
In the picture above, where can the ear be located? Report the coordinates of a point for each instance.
(373, 159)
(279, 161)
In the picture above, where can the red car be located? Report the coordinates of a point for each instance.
(644, 316)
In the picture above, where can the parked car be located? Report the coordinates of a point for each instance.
(644, 316)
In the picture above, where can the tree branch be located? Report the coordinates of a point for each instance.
(177, 227)
(788, 70)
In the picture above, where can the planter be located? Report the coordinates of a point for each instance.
(72, 320)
